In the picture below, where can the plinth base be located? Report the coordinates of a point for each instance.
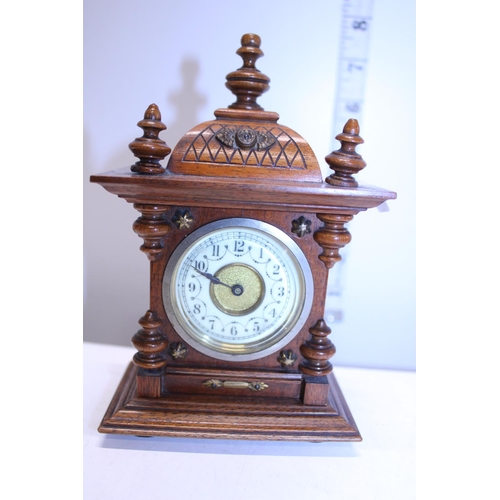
(224, 417)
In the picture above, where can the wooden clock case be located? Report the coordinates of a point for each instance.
(242, 164)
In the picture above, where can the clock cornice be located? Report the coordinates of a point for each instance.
(225, 192)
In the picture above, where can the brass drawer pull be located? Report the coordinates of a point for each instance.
(234, 384)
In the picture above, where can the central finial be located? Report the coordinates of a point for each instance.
(248, 83)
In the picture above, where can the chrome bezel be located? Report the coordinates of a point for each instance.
(250, 351)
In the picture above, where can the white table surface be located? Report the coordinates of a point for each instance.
(381, 467)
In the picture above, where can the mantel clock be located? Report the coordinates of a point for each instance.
(241, 230)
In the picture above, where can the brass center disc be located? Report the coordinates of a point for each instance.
(249, 289)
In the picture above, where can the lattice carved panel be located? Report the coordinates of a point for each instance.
(283, 153)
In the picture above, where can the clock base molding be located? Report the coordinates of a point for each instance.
(228, 417)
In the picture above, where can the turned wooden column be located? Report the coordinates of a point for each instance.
(151, 345)
(153, 228)
(150, 341)
(332, 236)
(317, 350)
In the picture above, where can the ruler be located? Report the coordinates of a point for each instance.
(352, 71)
(353, 61)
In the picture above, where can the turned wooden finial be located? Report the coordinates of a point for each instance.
(149, 148)
(248, 83)
(345, 162)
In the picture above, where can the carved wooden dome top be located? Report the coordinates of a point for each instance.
(244, 141)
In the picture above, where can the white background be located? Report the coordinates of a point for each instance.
(382, 466)
(176, 54)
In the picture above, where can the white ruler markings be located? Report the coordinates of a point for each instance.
(353, 61)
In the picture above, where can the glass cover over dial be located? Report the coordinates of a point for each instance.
(237, 289)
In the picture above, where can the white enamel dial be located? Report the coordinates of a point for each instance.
(237, 289)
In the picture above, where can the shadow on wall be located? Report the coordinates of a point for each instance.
(116, 272)
(187, 102)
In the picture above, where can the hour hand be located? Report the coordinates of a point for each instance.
(211, 277)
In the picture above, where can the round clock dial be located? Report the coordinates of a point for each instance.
(237, 289)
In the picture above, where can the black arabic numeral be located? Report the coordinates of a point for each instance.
(239, 246)
(201, 265)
